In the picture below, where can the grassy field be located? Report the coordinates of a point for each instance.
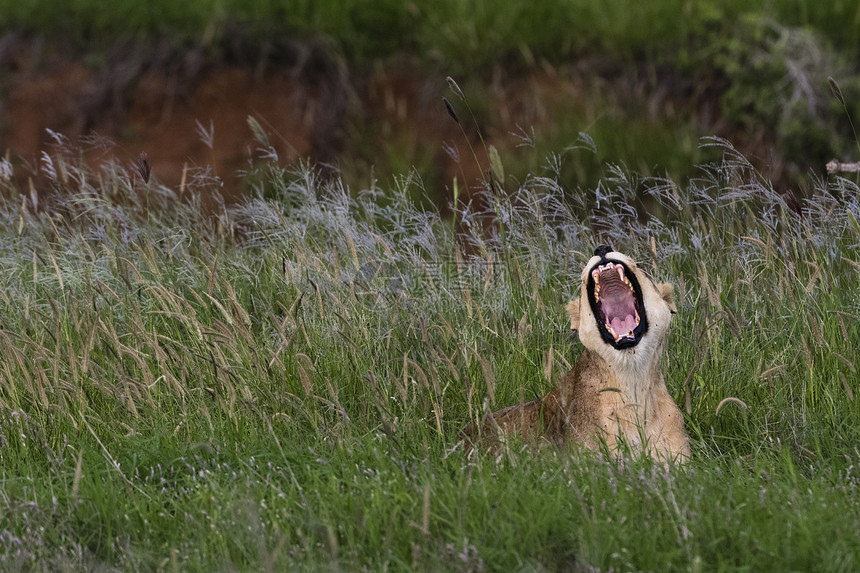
(278, 384)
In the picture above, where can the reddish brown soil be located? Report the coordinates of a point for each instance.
(154, 109)
(155, 119)
(166, 127)
(163, 124)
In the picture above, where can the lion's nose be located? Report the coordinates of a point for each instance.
(601, 250)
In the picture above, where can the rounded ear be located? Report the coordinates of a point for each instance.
(573, 312)
(667, 292)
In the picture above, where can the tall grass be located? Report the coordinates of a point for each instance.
(189, 385)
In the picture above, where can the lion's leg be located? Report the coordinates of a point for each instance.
(672, 442)
(527, 420)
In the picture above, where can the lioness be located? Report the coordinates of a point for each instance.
(616, 392)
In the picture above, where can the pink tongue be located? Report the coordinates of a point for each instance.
(622, 327)
(617, 303)
(619, 307)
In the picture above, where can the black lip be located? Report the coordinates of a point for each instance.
(640, 330)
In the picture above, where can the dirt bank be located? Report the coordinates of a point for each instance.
(186, 110)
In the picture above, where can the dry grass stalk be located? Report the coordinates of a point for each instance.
(847, 388)
(835, 166)
(523, 330)
(854, 264)
(402, 384)
(846, 362)
(409, 363)
(319, 299)
(305, 365)
(810, 363)
(489, 376)
(57, 270)
(243, 318)
(817, 273)
(770, 372)
(286, 342)
(144, 168)
(816, 331)
(481, 320)
(731, 400)
(352, 250)
(227, 317)
(41, 381)
(76, 480)
(127, 264)
(333, 392)
(450, 110)
(842, 325)
(490, 270)
(548, 363)
(452, 85)
(336, 266)
(467, 295)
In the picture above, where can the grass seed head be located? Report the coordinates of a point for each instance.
(451, 111)
(143, 166)
(835, 90)
(455, 88)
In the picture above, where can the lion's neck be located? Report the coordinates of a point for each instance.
(634, 375)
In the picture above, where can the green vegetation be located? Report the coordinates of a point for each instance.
(279, 384)
(668, 71)
(470, 34)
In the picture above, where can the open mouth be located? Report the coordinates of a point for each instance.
(616, 301)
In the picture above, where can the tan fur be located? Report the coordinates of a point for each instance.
(610, 396)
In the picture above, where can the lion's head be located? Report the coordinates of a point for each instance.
(621, 314)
